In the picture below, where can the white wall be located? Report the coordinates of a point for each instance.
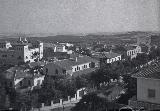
(38, 79)
(142, 90)
(114, 59)
(133, 53)
(81, 67)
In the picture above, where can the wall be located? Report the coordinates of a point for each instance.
(38, 81)
(81, 66)
(23, 82)
(41, 50)
(142, 90)
(69, 102)
(133, 53)
(114, 59)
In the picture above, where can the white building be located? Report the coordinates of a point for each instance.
(74, 66)
(133, 50)
(67, 44)
(21, 51)
(60, 48)
(107, 57)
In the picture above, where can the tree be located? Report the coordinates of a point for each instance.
(142, 58)
(2, 97)
(97, 77)
(80, 81)
(48, 91)
(131, 86)
(90, 102)
(22, 101)
(67, 87)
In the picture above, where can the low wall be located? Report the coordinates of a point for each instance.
(70, 101)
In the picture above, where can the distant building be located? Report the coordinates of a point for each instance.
(144, 40)
(59, 51)
(149, 40)
(67, 44)
(21, 51)
(128, 51)
(5, 45)
(19, 78)
(132, 50)
(72, 66)
(148, 88)
(60, 48)
(107, 57)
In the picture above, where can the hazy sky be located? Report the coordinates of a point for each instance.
(79, 16)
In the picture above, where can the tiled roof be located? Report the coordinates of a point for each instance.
(68, 63)
(6, 50)
(152, 71)
(17, 73)
(22, 74)
(107, 55)
(85, 71)
(2, 41)
(2, 50)
(130, 47)
(34, 64)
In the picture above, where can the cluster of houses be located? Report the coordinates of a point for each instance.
(33, 73)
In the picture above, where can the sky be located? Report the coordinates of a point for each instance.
(78, 16)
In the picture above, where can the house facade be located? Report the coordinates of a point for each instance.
(148, 89)
(107, 57)
(71, 66)
(60, 48)
(133, 50)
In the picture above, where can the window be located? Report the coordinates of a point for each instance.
(46, 70)
(38, 83)
(5, 83)
(75, 69)
(151, 93)
(128, 53)
(20, 83)
(4, 55)
(10, 84)
(29, 83)
(56, 71)
(64, 71)
(19, 57)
